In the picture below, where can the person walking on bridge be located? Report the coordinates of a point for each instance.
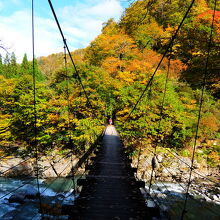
(110, 121)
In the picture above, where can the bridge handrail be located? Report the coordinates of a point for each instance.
(84, 160)
(156, 201)
(86, 155)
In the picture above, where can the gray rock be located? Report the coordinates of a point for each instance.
(159, 158)
(215, 198)
(151, 204)
(30, 192)
(161, 195)
(155, 163)
(184, 162)
(17, 198)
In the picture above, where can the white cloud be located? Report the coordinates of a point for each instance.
(81, 23)
(86, 18)
(17, 36)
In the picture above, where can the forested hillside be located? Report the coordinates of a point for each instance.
(115, 69)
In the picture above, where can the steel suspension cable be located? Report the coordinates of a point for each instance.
(161, 112)
(167, 190)
(68, 100)
(68, 164)
(161, 116)
(140, 148)
(168, 171)
(14, 190)
(198, 202)
(205, 75)
(67, 92)
(67, 89)
(35, 110)
(162, 105)
(30, 179)
(205, 177)
(48, 188)
(18, 164)
(139, 157)
(71, 58)
(161, 60)
(195, 200)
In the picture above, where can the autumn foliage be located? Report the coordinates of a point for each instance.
(115, 69)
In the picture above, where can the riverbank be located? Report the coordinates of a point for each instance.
(169, 184)
(172, 168)
(205, 180)
(171, 197)
(48, 166)
(56, 193)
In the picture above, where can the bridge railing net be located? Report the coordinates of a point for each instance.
(168, 191)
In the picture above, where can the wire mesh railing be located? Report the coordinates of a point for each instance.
(168, 192)
(76, 172)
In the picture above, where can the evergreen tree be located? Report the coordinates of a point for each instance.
(13, 67)
(25, 66)
(7, 60)
(39, 75)
(9, 68)
(6, 66)
(1, 65)
(13, 59)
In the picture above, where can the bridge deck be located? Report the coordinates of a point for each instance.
(111, 192)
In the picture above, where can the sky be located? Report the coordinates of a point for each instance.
(81, 21)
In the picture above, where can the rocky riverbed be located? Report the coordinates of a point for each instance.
(170, 179)
(175, 169)
(171, 197)
(172, 167)
(19, 192)
(57, 195)
(23, 203)
(48, 166)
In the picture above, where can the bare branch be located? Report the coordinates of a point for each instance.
(3, 48)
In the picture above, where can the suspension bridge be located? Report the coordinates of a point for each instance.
(109, 186)
(110, 190)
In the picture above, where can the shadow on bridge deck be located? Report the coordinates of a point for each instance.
(111, 191)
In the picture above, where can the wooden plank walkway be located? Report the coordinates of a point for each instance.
(111, 191)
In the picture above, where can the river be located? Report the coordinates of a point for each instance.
(171, 199)
(57, 192)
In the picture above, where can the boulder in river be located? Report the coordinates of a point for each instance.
(30, 192)
(17, 198)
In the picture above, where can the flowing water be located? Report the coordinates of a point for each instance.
(171, 199)
(56, 192)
